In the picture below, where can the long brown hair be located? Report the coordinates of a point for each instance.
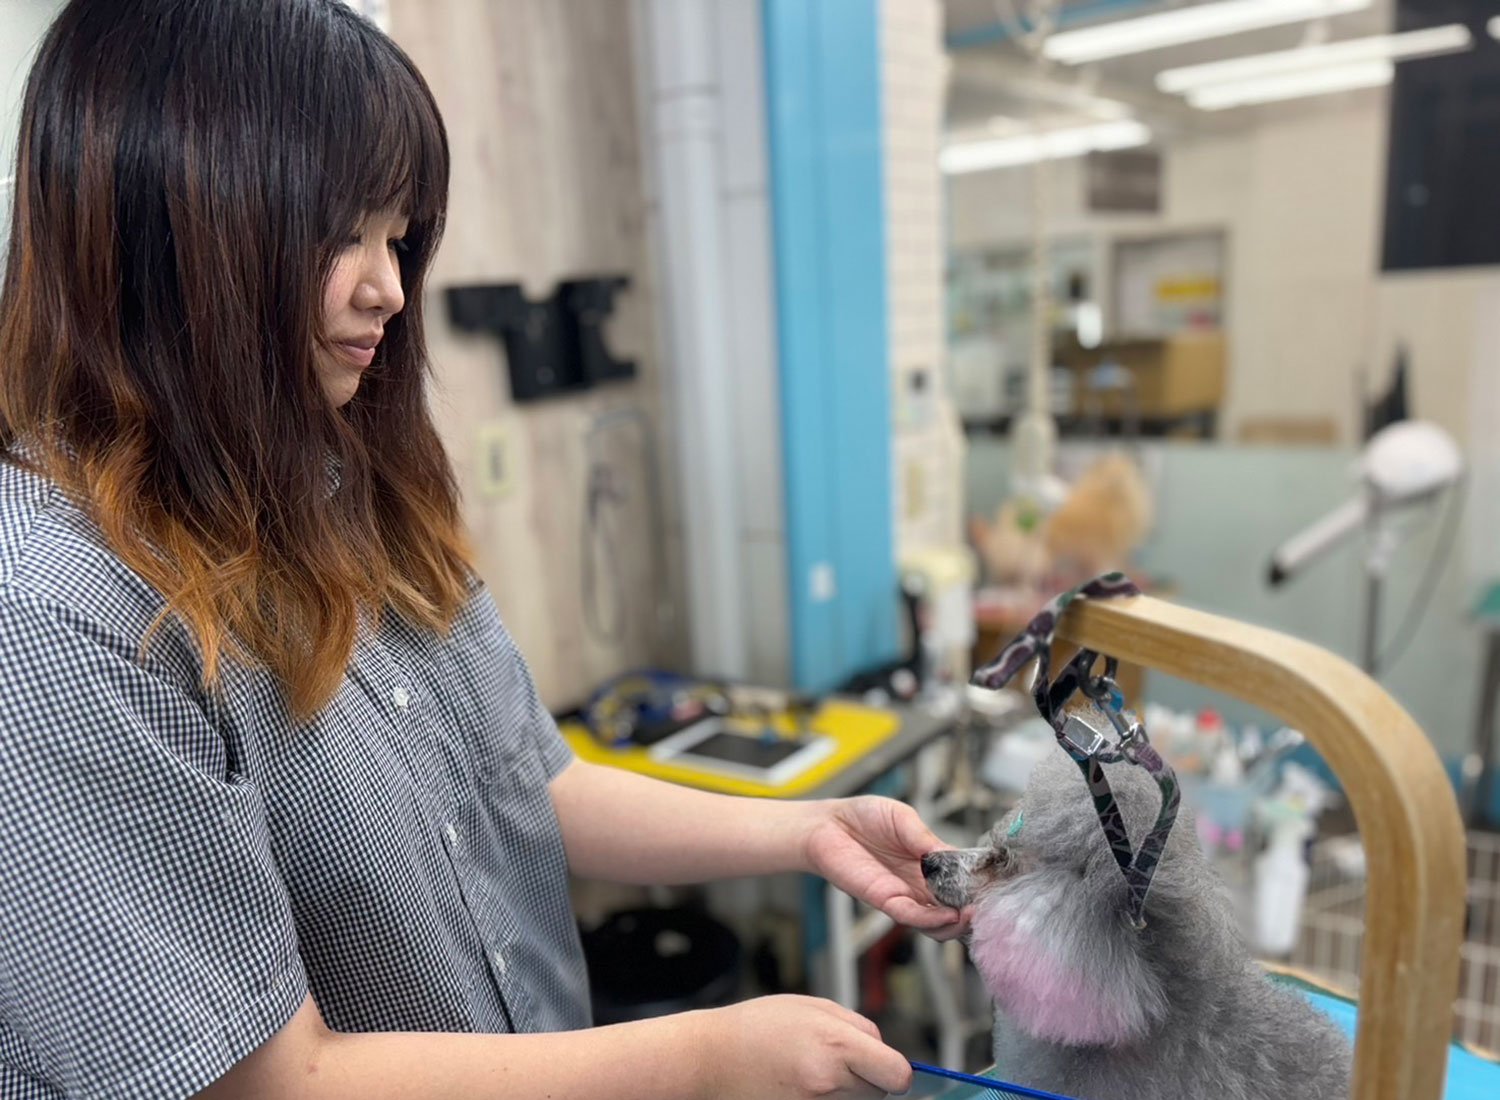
(187, 172)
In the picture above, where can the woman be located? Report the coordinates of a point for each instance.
(283, 813)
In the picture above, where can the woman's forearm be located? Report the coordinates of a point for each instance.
(659, 1059)
(649, 1059)
(627, 828)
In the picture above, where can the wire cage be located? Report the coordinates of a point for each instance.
(1332, 932)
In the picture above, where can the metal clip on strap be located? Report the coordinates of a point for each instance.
(1089, 747)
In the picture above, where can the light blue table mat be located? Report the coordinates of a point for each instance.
(1470, 1077)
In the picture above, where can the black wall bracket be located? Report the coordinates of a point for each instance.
(554, 346)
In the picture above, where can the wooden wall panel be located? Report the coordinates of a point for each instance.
(540, 104)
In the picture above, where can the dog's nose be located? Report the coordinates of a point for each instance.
(931, 862)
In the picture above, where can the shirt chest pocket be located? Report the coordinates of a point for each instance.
(486, 719)
(437, 691)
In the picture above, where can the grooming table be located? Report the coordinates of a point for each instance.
(856, 730)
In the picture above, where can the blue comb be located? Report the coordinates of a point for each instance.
(996, 1087)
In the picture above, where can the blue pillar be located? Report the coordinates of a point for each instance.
(822, 62)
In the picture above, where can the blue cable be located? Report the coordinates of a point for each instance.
(986, 1082)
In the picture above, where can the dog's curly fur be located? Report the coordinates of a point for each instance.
(1086, 1005)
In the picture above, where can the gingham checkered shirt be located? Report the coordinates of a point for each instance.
(180, 868)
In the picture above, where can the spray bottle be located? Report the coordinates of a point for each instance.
(1280, 886)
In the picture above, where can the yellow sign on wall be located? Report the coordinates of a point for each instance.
(1200, 288)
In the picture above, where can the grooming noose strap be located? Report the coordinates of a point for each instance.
(1051, 696)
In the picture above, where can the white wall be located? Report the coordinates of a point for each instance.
(929, 447)
(22, 24)
(755, 362)
(1301, 199)
(707, 213)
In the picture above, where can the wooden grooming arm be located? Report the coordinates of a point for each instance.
(1402, 800)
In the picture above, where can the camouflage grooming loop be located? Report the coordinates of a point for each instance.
(1089, 747)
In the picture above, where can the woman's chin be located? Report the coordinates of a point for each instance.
(339, 384)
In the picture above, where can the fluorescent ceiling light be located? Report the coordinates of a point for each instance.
(1379, 47)
(977, 156)
(1190, 24)
(1494, 26)
(1294, 85)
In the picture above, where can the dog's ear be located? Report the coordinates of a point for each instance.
(1060, 982)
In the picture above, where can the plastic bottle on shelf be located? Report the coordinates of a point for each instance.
(1252, 743)
(1281, 875)
(1226, 770)
(1211, 732)
(1184, 739)
(1227, 798)
(1158, 721)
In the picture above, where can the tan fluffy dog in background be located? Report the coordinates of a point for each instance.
(1103, 519)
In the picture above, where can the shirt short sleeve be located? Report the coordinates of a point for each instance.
(146, 943)
(556, 753)
(539, 727)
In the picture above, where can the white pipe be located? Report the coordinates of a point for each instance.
(681, 85)
(841, 958)
(1319, 538)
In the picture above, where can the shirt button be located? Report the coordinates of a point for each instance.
(402, 697)
(450, 832)
(499, 960)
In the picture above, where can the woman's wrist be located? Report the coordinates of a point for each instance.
(691, 1041)
(815, 817)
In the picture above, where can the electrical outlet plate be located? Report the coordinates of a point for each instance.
(493, 461)
(915, 495)
(822, 584)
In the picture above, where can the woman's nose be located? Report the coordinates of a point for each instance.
(380, 287)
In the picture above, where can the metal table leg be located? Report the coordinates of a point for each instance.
(1484, 732)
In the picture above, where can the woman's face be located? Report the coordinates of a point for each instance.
(362, 293)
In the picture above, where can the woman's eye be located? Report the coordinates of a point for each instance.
(399, 245)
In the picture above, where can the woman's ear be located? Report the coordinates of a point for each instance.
(1062, 981)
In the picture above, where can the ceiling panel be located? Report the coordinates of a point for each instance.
(992, 75)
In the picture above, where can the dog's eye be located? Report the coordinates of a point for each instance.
(998, 859)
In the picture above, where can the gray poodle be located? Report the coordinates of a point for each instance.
(1088, 1006)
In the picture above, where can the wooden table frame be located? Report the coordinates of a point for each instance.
(1402, 800)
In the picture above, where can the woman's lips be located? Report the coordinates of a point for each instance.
(355, 355)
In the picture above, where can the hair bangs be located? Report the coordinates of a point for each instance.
(386, 148)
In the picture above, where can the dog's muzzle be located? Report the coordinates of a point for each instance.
(947, 874)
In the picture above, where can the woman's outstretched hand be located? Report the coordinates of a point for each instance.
(872, 849)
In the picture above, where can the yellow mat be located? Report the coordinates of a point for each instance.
(855, 730)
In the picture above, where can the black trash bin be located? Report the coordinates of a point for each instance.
(653, 962)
